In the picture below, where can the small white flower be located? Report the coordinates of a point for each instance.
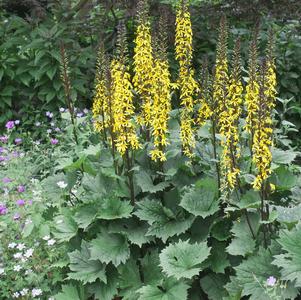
(12, 245)
(21, 246)
(2, 271)
(36, 292)
(46, 237)
(28, 271)
(62, 184)
(18, 255)
(59, 221)
(24, 292)
(51, 242)
(16, 295)
(28, 253)
(23, 259)
(28, 221)
(17, 268)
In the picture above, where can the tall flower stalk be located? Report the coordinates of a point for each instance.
(252, 88)
(143, 64)
(230, 125)
(162, 97)
(67, 88)
(123, 108)
(186, 82)
(262, 156)
(100, 108)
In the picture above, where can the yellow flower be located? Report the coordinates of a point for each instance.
(186, 82)
(123, 108)
(143, 67)
(229, 126)
(262, 156)
(161, 108)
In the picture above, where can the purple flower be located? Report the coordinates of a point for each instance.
(30, 202)
(6, 180)
(48, 113)
(20, 202)
(1, 149)
(17, 122)
(54, 141)
(2, 158)
(17, 216)
(18, 141)
(62, 109)
(4, 139)
(79, 115)
(10, 125)
(271, 281)
(3, 209)
(21, 188)
(57, 129)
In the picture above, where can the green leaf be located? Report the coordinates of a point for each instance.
(290, 262)
(252, 275)
(183, 260)
(114, 208)
(107, 291)
(84, 269)
(164, 223)
(213, 286)
(202, 200)
(110, 248)
(68, 292)
(218, 259)
(169, 289)
(85, 215)
(170, 227)
(65, 227)
(134, 230)
(243, 242)
(288, 214)
(144, 181)
(283, 156)
(284, 179)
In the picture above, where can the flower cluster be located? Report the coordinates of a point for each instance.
(186, 82)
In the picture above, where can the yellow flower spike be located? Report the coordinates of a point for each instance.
(221, 78)
(186, 82)
(262, 156)
(229, 126)
(123, 108)
(143, 80)
(252, 88)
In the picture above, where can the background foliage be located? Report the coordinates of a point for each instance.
(33, 30)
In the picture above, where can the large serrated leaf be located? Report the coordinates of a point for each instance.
(183, 260)
(243, 242)
(68, 292)
(169, 289)
(146, 184)
(213, 286)
(110, 248)
(202, 199)
(83, 268)
(65, 227)
(290, 262)
(114, 208)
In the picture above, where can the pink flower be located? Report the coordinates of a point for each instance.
(18, 141)
(20, 202)
(271, 281)
(3, 209)
(21, 188)
(17, 216)
(4, 139)
(54, 141)
(10, 125)
(6, 180)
